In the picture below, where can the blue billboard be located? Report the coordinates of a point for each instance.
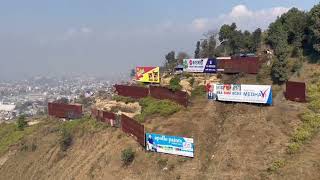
(170, 144)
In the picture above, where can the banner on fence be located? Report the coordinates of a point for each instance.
(200, 65)
(148, 74)
(170, 144)
(240, 93)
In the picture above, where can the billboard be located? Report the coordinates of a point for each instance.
(148, 74)
(240, 93)
(170, 144)
(200, 65)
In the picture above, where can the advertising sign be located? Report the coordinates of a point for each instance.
(148, 74)
(200, 65)
(240, 93)
(170, 144)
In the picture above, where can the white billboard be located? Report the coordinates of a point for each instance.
(241, 93)
(200, 65)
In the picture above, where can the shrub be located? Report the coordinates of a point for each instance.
(276, 165)
(293, 148)
(198, 91)
(152, 106)
(187, 75)
(124, 99)
(175, 84)
(65, 140)
(127, 156)
(162, 162)
(191, 81)
(21, 123)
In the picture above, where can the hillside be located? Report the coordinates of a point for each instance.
(232, 141)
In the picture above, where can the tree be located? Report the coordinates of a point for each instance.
(204, 49)
(277, 38)
(247, 42)
(314, 28)
(295, 23)
(21, 123)
(279, 71)
(211, 46)
(256, 38)
(197, 51)
(132, 73)
(171, 61)
(181, 56)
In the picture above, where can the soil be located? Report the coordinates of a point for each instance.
(232, 141)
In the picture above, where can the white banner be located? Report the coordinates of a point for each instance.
(241, 93)
(200, 65)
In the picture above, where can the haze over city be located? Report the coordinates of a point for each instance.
(108, 38)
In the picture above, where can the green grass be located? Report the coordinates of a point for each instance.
(78, 127)
(151, 106)
(124, 99)
(10, 135)
(198, 91)
(84, 125)
(310, 120)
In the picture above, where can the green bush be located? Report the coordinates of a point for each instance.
(186, 75)
(151, 106)
(124, 99)
(198, 91)
(162, 162)
(191, 81)
(127, 156)
(293, 148)
(65, 140)
(21, 123)
(277, 165)
(175, 84)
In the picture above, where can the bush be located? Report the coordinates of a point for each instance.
(199, 91)
(65, 140)
(21, 123)
(124, 99)
(127, 156)
(276, 165)
(162, 162)
(175, 84)
(186, 75)
(151, 106)
(293, 148)
(191, 82)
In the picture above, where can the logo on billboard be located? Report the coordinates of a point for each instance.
(264, 93)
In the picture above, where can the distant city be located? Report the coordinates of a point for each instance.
(30, 97)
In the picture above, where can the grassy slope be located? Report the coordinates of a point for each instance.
(232, 141)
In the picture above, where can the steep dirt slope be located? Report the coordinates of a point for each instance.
(232, 141)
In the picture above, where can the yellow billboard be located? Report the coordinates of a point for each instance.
(148, 74)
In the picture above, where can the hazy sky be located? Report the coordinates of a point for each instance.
(108, 37)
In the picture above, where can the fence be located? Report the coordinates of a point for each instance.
(132, 91)
(70, 111)
(161, 93)
(104, 116)
(179, 97)
(296, 91)
(250, 65)
(134, 128)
